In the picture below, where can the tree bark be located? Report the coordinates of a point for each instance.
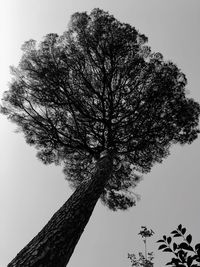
(55, 243)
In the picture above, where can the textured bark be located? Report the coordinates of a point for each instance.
(55, 243)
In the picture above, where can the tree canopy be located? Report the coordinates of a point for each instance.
(98, 86)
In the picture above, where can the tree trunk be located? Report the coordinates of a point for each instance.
(55, 243)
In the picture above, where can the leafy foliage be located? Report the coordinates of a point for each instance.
(146, 232)
(185, 255)
(141, 261)
(98, 86)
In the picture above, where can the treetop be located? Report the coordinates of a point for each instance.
(96, 87)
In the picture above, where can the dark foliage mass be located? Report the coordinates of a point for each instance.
(95, 87)
(184, 253)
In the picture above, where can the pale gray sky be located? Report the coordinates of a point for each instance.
(30, 192)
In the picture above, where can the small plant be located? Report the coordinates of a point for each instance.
(146, 259)
(185, 255)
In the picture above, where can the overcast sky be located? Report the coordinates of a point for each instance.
(30, 192)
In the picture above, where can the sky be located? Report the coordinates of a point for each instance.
(30, 192)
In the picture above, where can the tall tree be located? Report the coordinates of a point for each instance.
(97, 100)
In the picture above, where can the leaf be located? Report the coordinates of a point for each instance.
(190, 248)
(197, 246)
(162, 246)
(189, 261)
(184, 246)
(189, 238)
(169, 240)
(174, 232)
(177, 235)
(175, 261)
(183, 231)
(164, 237)
(180, 227)
(169, 263)
(167, 250)
(160, 241)
(174, 246)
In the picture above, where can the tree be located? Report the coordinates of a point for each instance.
(145, 259)
(185, 255)
(97, 100)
